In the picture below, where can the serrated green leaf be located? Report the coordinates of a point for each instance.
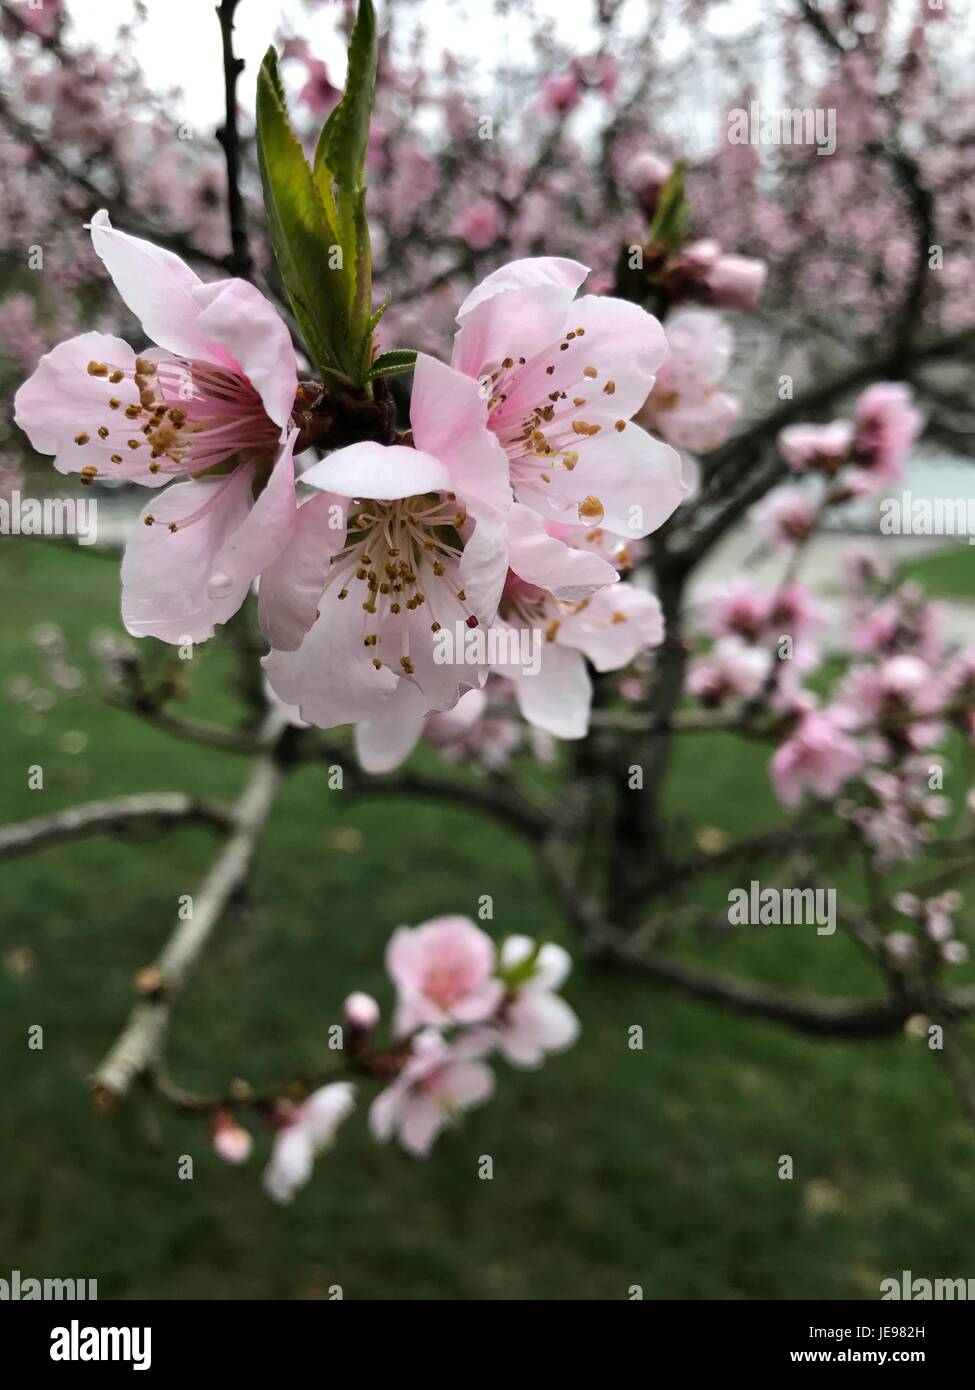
(302, 232)
(396, 360)
(340, 167)
(345, 135)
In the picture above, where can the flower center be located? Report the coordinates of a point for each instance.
(191, 417)
(400, 556)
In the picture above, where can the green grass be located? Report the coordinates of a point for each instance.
(947, 573)
(612, 1167)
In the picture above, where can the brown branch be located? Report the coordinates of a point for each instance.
(814, 1014)
(497, 799)
(139, 1046)
(146, 812)
(239, 262)
(195, 730)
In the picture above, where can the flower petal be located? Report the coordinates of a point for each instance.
(557, 697)
(448, 412)
(165, 575)
(541, 559)
(61, 402)
(385, 472)
(610, 365)
(291, 586)
(330, 677)
(248, 326)
(516, 312)
(614, 626)
(389, 737)
(158, 287)
(267, 530)
(483, 566)
(634, 478)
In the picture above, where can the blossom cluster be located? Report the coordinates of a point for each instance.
(878, 735)
(459, 1001)
(393, 577)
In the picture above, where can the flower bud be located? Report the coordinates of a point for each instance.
(230, 1140)
(361, 1012)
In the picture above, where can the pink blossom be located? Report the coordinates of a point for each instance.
(216, 399)
(369, 580)
(304, 1132)
(731, 670)
(443, 972)
(18, 330)
(561, 378)
(886, 427)
(468, 731)
(609, 628)
(318, 93)
(361, 1012)
(645, 174)
(816, 447)
(622, 555)
(479, 225)
(731, 282)
(685, 405)
(739, 608)
(534, 1020)
(735, 282)
(561, 93)
(439, 1081)
(230, 1140)
(818, 756)
(793, 609)
(900, 686)
(786, 516)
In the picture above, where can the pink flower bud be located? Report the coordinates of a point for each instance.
(561, 92)
(900, 946)
(954, 952)
(230, 1140)
(736, 282)
(646, 175)
(361, 1012)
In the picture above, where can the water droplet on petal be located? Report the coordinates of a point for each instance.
(218, 585)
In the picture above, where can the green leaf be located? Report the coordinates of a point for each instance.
(340, 173)
(396, 360)
(302, 232)
(345, 135)
(673, 211)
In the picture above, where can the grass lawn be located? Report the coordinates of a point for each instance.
(612, 1167)
(950, 572)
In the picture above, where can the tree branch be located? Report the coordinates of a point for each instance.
(139, 1046)
(149, 811)
(239, 262)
